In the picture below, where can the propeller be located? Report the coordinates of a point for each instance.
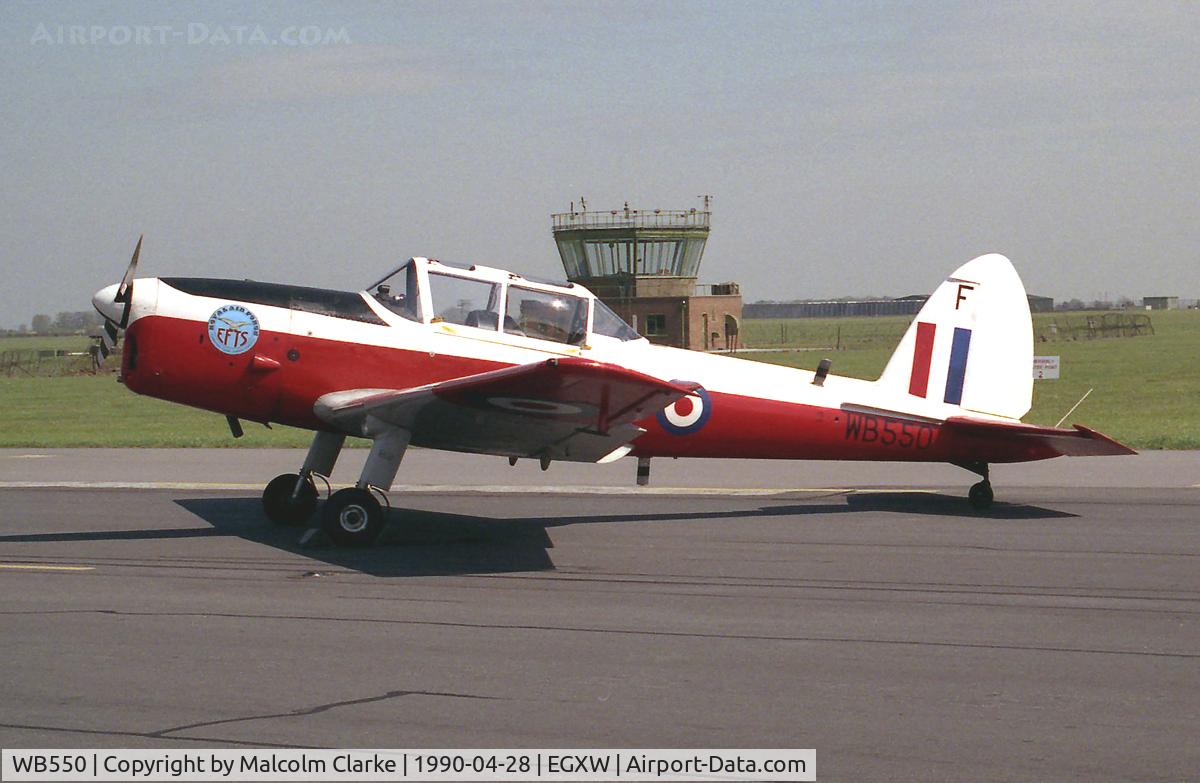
(106, 302)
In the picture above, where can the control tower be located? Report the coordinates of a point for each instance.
(644, 264)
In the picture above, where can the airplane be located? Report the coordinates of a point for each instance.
(475, 359)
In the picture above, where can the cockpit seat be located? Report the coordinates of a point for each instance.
(483, 319)
(487, 319)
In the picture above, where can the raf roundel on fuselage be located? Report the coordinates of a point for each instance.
(687, 415)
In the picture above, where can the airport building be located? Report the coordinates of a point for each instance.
(836, 308)
(645, 264)
(845, 308)
(1161, 302)
(1040, 304)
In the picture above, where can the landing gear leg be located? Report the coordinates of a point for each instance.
(353, 516)
(291, 498)
(980, 496)
(643, 471)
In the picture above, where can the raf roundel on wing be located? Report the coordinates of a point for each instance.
(687, 414)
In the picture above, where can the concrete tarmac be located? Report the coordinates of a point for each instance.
(252, 468)
(905, 637)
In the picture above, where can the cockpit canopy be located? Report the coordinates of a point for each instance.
(430, 291)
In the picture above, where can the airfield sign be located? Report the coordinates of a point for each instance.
(1045, 368)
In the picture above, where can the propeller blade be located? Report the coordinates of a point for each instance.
(125, 291)
(108, 340)
(124, 294)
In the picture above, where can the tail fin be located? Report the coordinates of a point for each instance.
(971, 345)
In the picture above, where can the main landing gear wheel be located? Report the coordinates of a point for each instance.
(981, 495)
(352, 517)
(284, 506)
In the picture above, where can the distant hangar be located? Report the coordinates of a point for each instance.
(841, 308)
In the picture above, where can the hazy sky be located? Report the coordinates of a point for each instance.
(849, 147)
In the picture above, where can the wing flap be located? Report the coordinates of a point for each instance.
(1079, 441)
(566, 408)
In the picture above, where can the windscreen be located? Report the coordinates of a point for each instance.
(398, 292)
(609, 324)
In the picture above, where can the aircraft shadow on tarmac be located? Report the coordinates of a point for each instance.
(419, 542)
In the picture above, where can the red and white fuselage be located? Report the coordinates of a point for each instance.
(270, 353)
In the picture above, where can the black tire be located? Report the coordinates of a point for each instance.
(284, 509)
(352, 517)
(981, 495)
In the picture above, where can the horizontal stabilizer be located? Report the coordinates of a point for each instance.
(1076, 442)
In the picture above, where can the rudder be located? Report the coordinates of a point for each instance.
(971, 345)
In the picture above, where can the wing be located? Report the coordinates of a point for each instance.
(563, 409)
(1076, 442)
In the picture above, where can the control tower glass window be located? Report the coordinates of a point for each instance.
(693, 249)
(630, 242)
(574, 259)
(546, 315)
(584, 258)
(459, 300)
(677, 258)
(604, 258)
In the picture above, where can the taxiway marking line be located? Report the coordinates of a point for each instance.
(494, 489)
(36, 567)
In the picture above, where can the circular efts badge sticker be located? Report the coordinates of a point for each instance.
(233, 329)
(686, 415)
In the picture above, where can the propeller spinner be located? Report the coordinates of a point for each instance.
(114, 303)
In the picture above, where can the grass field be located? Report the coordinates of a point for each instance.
(49, 343)
(886, 331)
(95, 410)
(825, 333)
(1147, 389)
(44, 356)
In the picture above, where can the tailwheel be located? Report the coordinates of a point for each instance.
(980, 495)
(352, 517)
(284, 505)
